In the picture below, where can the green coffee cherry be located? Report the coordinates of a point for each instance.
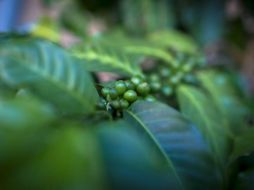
(177, 65)
(130, 96)
(105, 91)
(174, 80)
(167, 90)
(187, 68)
(165, 72)
(115, 104)
(120, 87)
(129, 85)
(150, 98)
(136, 80)
(180, 56)
(123, 93)
(113, 94)
(143, 88)
(155, 86)
(190, 78)
(201, 60)
(154, 78)
(124, 104)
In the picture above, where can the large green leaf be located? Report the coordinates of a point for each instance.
(150, 50)
(199, 108)
(226, 98)
(136, 48)
(180, 144)
(130, 161)
(106, 58)
(145, 48)
(48, 71)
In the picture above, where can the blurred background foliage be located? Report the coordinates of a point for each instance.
(223, 28)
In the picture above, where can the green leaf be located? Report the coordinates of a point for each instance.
(49, 72)
(130, 162)
(174, 40)
(150, 50)
(46, 28)
(105, 58)
(243, 144)
(136, 48)
(226, 98)
(179, 143)
(198, 107)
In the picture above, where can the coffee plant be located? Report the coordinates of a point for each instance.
(166, 119)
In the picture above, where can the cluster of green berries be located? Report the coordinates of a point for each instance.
(122, 94)
(164, 79)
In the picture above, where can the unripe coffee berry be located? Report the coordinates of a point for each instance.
(155, 86)
(136, 80)
(129, 85)
(143, 88)
(150, 98)
(105, 91)
(113, 93)
(124, 104)
(167, 90)
(120, 87)
(115, 104)
(130, 96)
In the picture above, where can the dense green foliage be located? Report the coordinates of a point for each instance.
(53, 134)
(165, 120)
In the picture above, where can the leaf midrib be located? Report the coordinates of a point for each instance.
(217, 101)
(125, 66)
(164, 154)
(202, 115)
(158, 53)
